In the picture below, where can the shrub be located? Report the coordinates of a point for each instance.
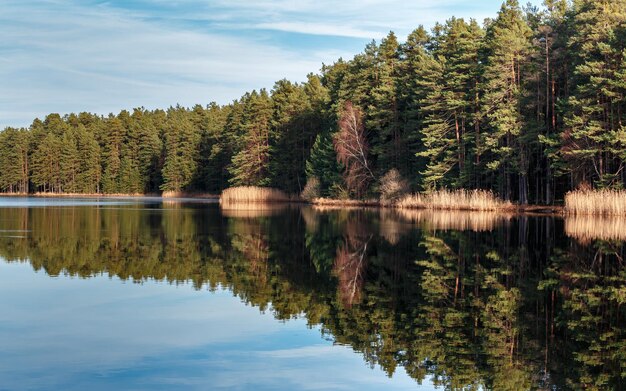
(311, 189)
(392, 186)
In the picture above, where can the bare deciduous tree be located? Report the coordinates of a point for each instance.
(352, 149)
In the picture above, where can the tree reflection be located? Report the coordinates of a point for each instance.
(488, 303)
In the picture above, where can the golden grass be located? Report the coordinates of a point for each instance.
(252, 195)
(596, 202)
(479, 200)
(588, 228)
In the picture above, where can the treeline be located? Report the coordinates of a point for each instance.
(530, 105)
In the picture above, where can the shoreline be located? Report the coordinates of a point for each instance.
(116, 195)
(530, 209)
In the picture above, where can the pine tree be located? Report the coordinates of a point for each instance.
(46, 166)
(69, 163)
(322, 164)
(89, 173)
(14, 160)
(507, 42)
(149, 149)
(250, 166)
(114, 134)
(295, 129)
(382, 114)
(452, 123)
(214, 150)
(181, 149)
(130, 181)
(418, 70)
(595, 109)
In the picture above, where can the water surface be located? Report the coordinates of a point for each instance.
(154, 294)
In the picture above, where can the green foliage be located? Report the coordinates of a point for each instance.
(250, 165)
(322, 164)
(14, 160)
(181, 146)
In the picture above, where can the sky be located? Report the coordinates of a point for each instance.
(100, 56)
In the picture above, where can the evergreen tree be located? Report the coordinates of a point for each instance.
(322, 164)
(14, 160)
(595, 110)
(114, 134)
(418, 73)
(69, 163)
(250, 166)
(46, 166)
(181, 148)
(383, 118)
(89, 173)
(214, 150)
(507, 41)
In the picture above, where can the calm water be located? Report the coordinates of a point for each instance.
(128, 294)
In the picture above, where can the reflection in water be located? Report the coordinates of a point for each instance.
(469, 300)
(586, 228)
(454, 220)
(254, 210)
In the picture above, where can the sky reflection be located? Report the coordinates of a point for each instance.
(104, 333)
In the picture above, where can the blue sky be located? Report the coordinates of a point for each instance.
(103, 56)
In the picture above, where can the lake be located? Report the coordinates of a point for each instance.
(179, 294)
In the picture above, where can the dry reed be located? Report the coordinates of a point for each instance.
(252, 195)
(596, 202)
(480, 200)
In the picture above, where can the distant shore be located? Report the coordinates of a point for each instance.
(329, 203)
(116, 195)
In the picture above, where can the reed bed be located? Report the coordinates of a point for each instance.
(588, 228)
(478, 200)
(252, 195)
(596, 202)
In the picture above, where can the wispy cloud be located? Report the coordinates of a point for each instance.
(102, 56)
(319, 29)
(61, 59)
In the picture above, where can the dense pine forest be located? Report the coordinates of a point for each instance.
(530, 104)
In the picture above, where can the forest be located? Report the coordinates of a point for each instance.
(530, 104)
